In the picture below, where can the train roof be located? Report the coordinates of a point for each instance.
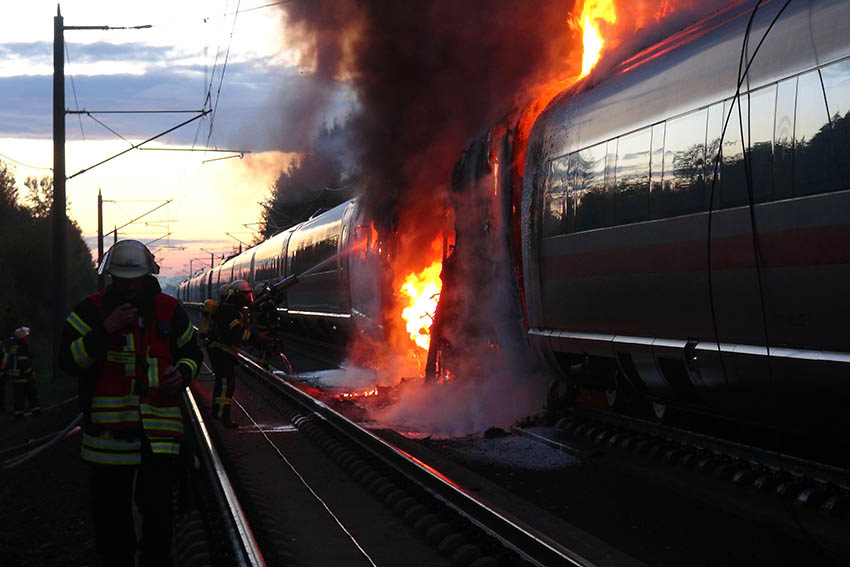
(695, 68)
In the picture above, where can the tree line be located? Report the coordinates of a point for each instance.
(26, 266)
(319, 180)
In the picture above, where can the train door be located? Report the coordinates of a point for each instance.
(347, 242)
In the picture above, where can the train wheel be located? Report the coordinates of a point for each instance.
(612, 386)
(658, 410)
(611, 398)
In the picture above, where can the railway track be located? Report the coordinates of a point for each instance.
(293, 448)
(798, 496)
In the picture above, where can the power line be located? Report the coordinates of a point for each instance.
(25, 164)
(226, 14)
(223, 69)
(74, 89)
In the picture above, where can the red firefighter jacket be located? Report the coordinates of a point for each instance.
(120, 376)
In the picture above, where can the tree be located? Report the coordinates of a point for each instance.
(25, 254)
(40, 196)
(320, 180)
(8, 188)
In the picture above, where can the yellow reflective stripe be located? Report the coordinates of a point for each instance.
(75, 321)
(110, 451)
(193, 366)
(81, 357)
(121, 357)
(165, 447)
(171, 411)
(163, 424)
(111, 443)
(114, 401)
(186, 336)
(93, 456)
(153, 372)
(234, 323)
(246, 334)
(126, 416)
(223, 401)
(130, 367)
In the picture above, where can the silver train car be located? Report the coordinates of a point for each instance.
(724, 292)
(343, 294)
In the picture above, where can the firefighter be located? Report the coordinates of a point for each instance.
(134, 351)
(208, 310)
(18, 367)
(231, 326)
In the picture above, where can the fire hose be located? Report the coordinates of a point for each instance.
(71, 429)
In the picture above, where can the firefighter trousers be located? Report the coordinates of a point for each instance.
(151, 486)
(224, 366)
(25, 392)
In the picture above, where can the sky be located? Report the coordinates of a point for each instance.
(240, 61)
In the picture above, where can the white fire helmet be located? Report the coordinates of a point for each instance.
(128, 259)
(241, 286)
(22, 332)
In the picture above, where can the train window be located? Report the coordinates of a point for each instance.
(555, 206)
(712, 148)
(759, 128)
(814, 163)
(656, 169)
(733, 177)
(783, 139)
(631, 189)
(588, 193)
(683, 186)
(836, 82)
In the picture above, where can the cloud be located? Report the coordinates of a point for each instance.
(42, 51)
(258, 105)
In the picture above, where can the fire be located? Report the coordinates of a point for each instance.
(591, 13)
(423, 293)
(355, 395)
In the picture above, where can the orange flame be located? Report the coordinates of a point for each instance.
(423, 292)
(354, 395)
(591, 13)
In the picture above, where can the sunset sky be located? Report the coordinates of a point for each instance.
(171, 66)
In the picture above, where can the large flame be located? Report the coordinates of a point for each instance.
(422, 291)
(592, 12)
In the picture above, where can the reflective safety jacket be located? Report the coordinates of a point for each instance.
(120, 377)
(16, 362)
(207, 312)
(231, 326)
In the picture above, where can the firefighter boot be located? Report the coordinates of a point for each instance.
(225, 418)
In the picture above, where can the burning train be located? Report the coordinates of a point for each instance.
(676, 232)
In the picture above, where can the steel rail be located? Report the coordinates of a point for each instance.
(531, 545)
(242, 541)
(818, 471)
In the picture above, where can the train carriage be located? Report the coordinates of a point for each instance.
(720, 289)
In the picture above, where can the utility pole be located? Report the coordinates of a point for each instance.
(212, 257)
(100, 278)
(59, 247)
(59, 220)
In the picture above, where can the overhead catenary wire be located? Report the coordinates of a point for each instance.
(13, 160)
(223, 69)
(74, 90)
